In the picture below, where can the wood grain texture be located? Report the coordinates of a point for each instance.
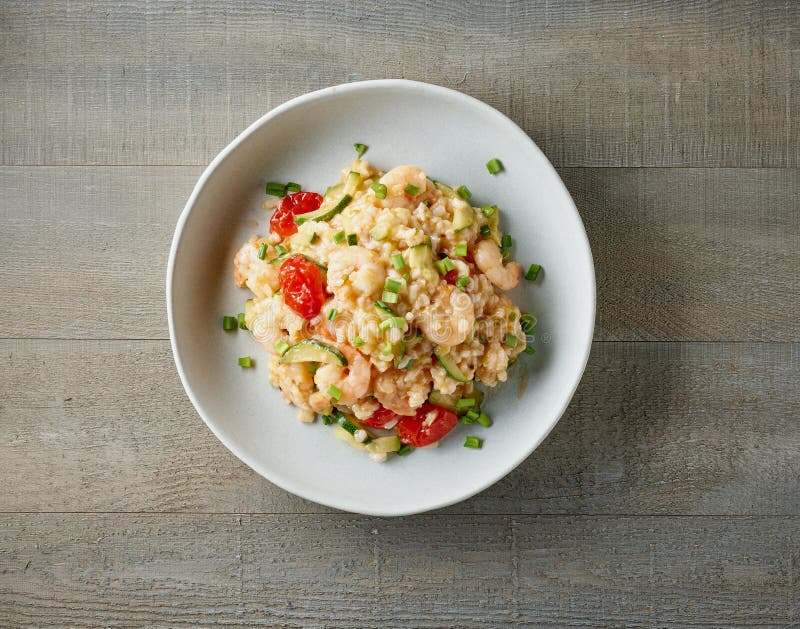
(425, 572)
(595, 84)
(653, 429)
(680, 254)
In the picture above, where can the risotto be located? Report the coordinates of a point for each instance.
(381, 305)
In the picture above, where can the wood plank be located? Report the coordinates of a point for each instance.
(595, 84)
(426, 572)
(680, 254)
(654, 428)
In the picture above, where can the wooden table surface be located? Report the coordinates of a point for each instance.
(669, 493)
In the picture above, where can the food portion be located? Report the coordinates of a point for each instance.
(381, 305)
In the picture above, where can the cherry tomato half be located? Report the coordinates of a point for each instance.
(380, 418)
(430, 424)
(303, 286)
(282, 221)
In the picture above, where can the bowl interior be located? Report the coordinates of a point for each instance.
(309, 140)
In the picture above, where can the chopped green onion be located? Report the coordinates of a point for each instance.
(406, 277)
(339, 237)
(412, 189)
(465, 402)
(410, 363)
(392, 322)
(461, 249)
(494, 166)
(229, 323)
(335, 392)
(473, 414)
(528, 323)
(281, 347)
(242, 322)
(352, 239)
(382, 306)
(488, 210)
(533, 272)
(387, 350)
(389, 297)
(293, 187)
(463, 192)
(473, 442)
(530, 350)
(393, 285)
(379, 189)
(444, 265)
(426, 202)
(506, 242)
(280, 249)
(506, 254)
(466, 419)
(511, 340)
(246, 362)
(462, 281)
(328, 420)
(404, 449)
(262, 251)
(275, 189)
(347, 425)
(484, 420)
(312, 367)
(486, 231)
(358, 341)
(331, 314)
(313, 238)
(398, 262)
(360, 148)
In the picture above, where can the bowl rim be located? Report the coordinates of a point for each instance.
(287, 483)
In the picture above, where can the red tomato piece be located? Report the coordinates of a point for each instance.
(303, 286)
(421, 430)
(451, 276)
(380, 418)
(282, 221)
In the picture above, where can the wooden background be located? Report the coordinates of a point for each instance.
(668, 495)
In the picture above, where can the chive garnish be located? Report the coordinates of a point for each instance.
(229, 323)
(488, 210)
(379, 189)
(461, 249)
(464, 192)
(398, 262)
(392, 322)
(275, 189)
(389, 297)
(462, 281)
(393, 285)
(412, 189)
(511, 340)
(281, 347)
(332, 314)
(506, 241)
(352, 239)
(533, 272)
(293, 187)
(358, 341)
(246, 362)
(360, 148)
(280, 249)
(465, 402)
(485, 231)
(328, 420)
(473, 442)
(528, 323)
(262, 251)
(404, 449)
(242, 322)
(339, 237)
(335, 392)
(484, 420)
(494, 166)
(530, 350)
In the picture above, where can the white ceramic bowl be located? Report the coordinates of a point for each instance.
(309, 140)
